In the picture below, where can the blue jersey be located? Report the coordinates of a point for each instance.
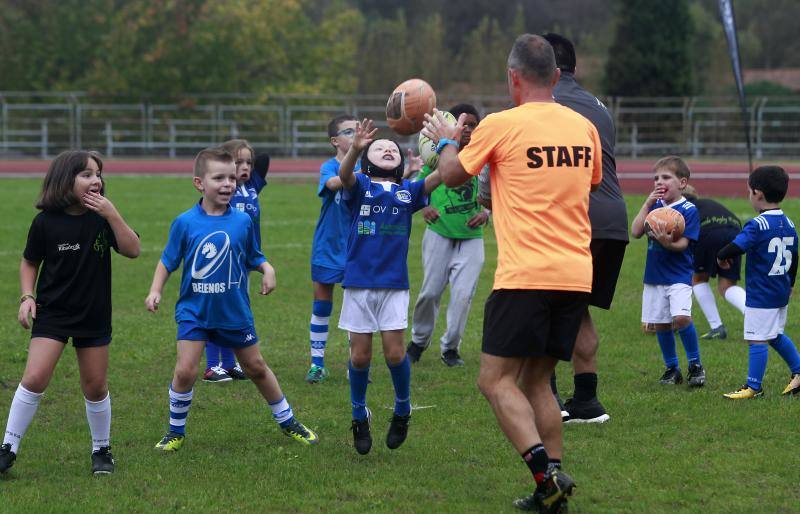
(217, 253)
(245, 199)
(377, 247)
(329, 248)
(665, 267)
(770, 241)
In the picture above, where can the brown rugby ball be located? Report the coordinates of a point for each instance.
(408, 104)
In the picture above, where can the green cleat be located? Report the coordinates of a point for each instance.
(300, 433)
(550, 496)
(171, 442)
(316, 374)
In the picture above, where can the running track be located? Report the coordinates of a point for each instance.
(726, 179)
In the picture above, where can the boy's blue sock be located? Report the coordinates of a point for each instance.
(179, 404)
(401, 380)
(359, 379)
(690, 343)
(282, 412)
(788, 351)
(228, 357)
(320, 316)
(757, 366)
(666, 340)
(212, 355)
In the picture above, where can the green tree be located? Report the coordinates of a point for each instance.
(385, 56)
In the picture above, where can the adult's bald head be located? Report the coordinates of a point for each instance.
(533, 58)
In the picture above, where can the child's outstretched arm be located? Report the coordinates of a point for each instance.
(414, 164)
(159, 279)
(127, 240)
(637, 226)
(363, 137)
(27, 280)
(432, 181)
(268, 281)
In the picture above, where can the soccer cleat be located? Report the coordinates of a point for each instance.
(7, 457)
(317, 374)
(171, 442)
(585, 411)
(216, 375)
(300, 433)
(716, 333)
(550, 496)
(362, 439)
(744, 393)
(236, 373)
(671, 376)
(414, 352)
(794, 385)
(398, 431)
(102, 461)
(452, 359)
(696, 376)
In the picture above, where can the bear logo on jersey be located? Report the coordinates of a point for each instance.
(211, 253)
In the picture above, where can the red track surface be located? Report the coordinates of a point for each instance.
(727, 179)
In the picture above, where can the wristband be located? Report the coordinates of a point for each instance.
(25, 297)
(444, 142)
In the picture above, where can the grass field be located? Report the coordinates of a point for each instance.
(666, 449)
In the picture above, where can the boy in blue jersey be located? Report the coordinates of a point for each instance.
(770, 242)
(221, 365)
(329, 247)
(376, 273)
(667, 296)
(218, 247)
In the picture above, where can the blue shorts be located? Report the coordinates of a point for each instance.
(325, 275)
(77, 342)
(237, 338)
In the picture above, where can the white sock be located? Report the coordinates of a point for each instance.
(98, 414)
(736, 297)
(708, 304)
(23, 408)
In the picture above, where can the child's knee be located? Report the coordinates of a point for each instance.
(679, 322)
(185, 375)
(96, 390)
(360, 359)
(255, 370)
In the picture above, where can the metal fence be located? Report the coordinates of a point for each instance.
(41, 125)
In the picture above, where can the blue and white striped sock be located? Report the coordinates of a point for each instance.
(282, 412)
(318, 330)
(179, 404)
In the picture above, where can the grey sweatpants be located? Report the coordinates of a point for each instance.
(459, 262)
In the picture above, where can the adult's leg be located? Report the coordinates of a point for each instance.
(436, 256)
(535, 383)
(467, 262)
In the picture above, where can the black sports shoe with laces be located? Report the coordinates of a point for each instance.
(671, 376)
(398, 431)
(7, 457)
(414, 352)
(362, 439)
(585, 411)
(696, 376)
(102, 461)
(452, 359)
(550, 497)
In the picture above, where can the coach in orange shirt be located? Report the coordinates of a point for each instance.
(545, 159)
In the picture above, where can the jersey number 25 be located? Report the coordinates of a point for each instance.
(783, 258)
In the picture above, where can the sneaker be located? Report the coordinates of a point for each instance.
(794, 385)
(671, 376)
(102, 461)
(7, 457)
(745, 393)
(564, 412)
(414, 352)
(585, 411)
(398, 431)
(452, 359)
(550, 496)
(318, 374)
(236, 373)
(171, 442)
(362, 439)
(216, 374)
(300, 433)
(696, 376)
(716, 333)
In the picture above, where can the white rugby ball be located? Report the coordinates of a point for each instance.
(427, 148)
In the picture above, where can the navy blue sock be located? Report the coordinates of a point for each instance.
(318, 330)
(212, 355)
(401, 380)
(228, 357)
(788, 351)
(666, 340)
(690, 343)
(757, 365)
(359, 379)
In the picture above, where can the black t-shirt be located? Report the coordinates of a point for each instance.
(73, 292)
(714, 215)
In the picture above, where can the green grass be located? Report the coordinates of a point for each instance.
(666, 449)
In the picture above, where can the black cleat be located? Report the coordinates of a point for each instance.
(398, 431)
(585, 411)
(362, 439)
(452, 358)
(102, 461)
(716, 333)
(671, 376)
(550, 497)
(7, 457)
(696, 376)
(414, 352)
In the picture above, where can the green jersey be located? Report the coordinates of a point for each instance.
(456, 206)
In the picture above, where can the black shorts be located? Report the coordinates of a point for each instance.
(707, 248)
(607, 255)
(532, 323)
(77, 342)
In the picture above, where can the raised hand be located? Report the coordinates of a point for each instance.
(99, 204)
(437, 127)
(365, 132)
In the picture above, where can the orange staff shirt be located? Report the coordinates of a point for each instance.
(543, 157)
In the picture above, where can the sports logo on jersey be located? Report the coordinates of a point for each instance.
(249, 337)
(366, 228)
(368, 194)
(211, 253)
(364, 210)
(239, 206)
(403, 196)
